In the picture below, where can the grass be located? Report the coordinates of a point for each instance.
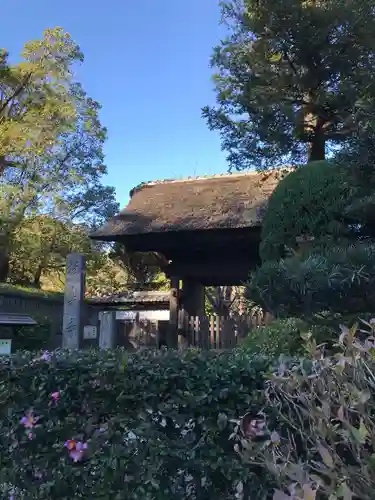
(9, 288)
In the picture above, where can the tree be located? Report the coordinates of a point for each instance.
(143, 269)
(224, 300)
(35, 108)
(40, 245)
(294, 78)
(35, 105)
(51, 143)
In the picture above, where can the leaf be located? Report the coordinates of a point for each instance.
(279, 495)
(222, 421)
(363, 431)
(239, 487)
(346, 493)
(308, 492)
(275, 438)
(340, 414)
(275, 58)
(364, 396)
(360, 434)
(326, 456)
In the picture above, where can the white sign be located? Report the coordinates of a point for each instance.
(90, 332)
(126, 315)
(154, 315)
(143, 315)
(5, 347)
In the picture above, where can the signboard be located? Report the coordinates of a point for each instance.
(154, 315)
(130, 315)
(5, 347)
(89, 332)
(143, 315)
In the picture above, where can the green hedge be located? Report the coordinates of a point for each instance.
(281, 336)
(29, 338)
(156, 425)
(32, 338)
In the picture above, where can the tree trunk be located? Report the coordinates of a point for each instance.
(4, 257)
(317, 149)
(37, 276)
(4, 265)
(317, 146)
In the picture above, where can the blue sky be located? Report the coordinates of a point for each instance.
(147, 63)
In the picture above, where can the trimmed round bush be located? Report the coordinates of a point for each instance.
(309, 201)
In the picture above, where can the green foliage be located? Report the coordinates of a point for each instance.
(35, 102)
(156, 425)
(143, 269)
(51, 161)
(337, 279)
(40, 245)
(317, 242)
(311, 202)
(6, 288)
(280, 337)
(322, 446)
(32, 338)
(289, 79)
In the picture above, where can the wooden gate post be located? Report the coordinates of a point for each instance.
(172, 337)
(107, 333)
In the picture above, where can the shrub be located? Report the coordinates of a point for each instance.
(310, 201)
(339, 279)
(29, 338)
(318, 247)
(323, 446)
(281, 336)
(151, 425)
(32, 338)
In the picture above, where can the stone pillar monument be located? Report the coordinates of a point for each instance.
(73, 301)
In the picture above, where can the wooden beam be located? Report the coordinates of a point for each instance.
(193, 298)
(230, 271)
(171, 243)
(172, 337)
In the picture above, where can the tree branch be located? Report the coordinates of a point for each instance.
(16, 93)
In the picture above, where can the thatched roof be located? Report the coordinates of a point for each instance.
(225, 201)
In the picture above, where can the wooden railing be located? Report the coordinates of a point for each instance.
(215, 332)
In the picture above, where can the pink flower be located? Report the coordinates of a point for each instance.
(81, 446)
(28, 421)
(77, 454)
(70, 444)
(55, 396)
(46, 356)
(30, 435)
(38, 474)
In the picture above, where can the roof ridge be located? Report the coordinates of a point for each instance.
(266, 173)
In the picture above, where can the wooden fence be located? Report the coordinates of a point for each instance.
(215, 332)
